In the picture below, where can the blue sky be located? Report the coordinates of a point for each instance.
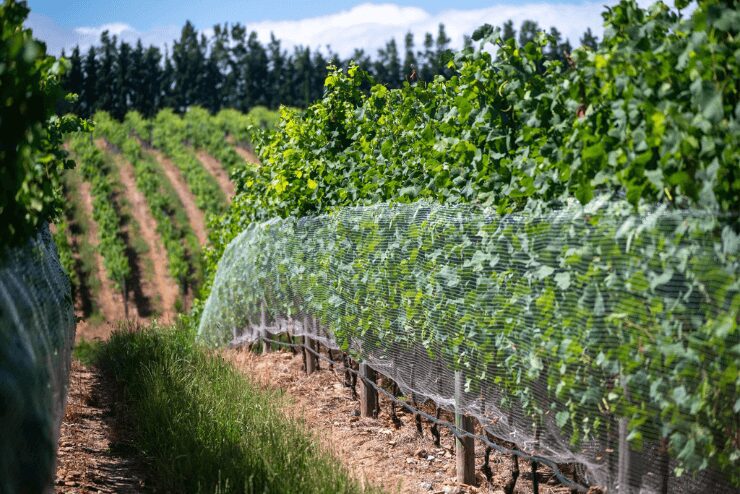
(316, 23)
(147, 14)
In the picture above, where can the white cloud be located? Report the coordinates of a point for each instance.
(369, 25)
(115, 28)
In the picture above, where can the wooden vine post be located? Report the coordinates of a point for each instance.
(308, 346)
(263, 330)
(464, 447)
(624, 462)
(368, 394)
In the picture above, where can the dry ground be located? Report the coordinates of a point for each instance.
(94, 455)
(396, 459)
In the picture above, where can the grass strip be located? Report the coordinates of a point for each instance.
(205, 427)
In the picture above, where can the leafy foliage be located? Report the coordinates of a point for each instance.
(31, 151)
(64, 249)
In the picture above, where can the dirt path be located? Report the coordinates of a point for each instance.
(196, 218)
(164, 285)
(396, 459)
(91, 456)
(109, 299)
(247, 155)
(214, 168)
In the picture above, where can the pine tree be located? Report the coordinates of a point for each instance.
(426, 59)
(256, 72)
(220, 58)
(508, 31)
(152, 84)
(279, 90)
(317, 75)
(301, 76)
(442, 53)
(123, 81)
(388, 65)
(409, 60)
(589, 40)
(467, 42)
(188, 59)
(209, 80)
(238, 61)
(88, 93)
(106, 83)
(168, 82)
(138, 79)
(74, 79)
(553, 48)
(528, 32)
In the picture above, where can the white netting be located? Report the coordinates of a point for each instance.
(579, 332)
(37, 328)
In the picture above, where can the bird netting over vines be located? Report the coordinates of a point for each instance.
(592, 334)
(37, 328)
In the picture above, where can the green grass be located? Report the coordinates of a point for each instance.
(87, 351)
(204, 427)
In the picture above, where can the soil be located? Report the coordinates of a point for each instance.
(218, 172)
(247, 155)
(195, 216)
(374, 450)
(163, 285)
(93, 454)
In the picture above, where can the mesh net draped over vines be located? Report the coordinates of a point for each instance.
(37, 329)
(578, 331)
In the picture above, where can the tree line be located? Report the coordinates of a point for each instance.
(233, 69)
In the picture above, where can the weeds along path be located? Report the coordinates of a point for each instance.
(163, 284)
(109, 300)
(196, 218)
(92, 456)
(218, 172)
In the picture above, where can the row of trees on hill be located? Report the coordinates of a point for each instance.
(233, 69)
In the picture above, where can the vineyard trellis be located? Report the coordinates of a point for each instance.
(588, 334)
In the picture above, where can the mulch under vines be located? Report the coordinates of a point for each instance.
(379, 451)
